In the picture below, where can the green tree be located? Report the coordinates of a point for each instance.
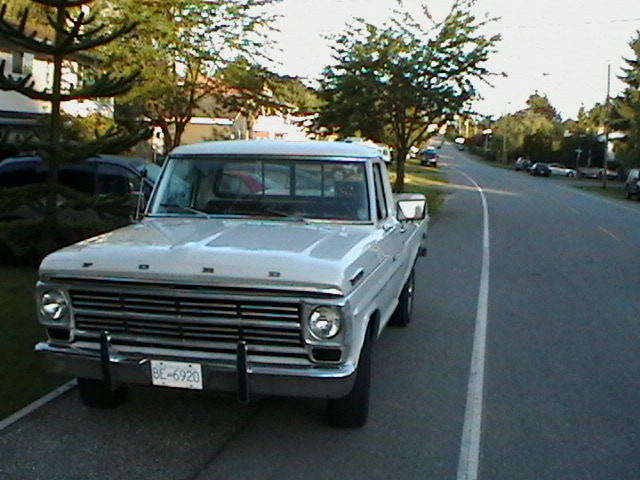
(301, 99)
(75, 33)
(253, 90)
(540, 105)
(627, 109)
(247, 88)
(180, 45)
(37, 13)
(534, 131)
(392, 82)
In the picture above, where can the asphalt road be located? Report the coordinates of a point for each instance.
(560, 366)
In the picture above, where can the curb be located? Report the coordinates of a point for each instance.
(32, 407)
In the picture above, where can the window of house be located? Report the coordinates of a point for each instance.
(22, 63)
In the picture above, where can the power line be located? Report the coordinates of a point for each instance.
(572, 24)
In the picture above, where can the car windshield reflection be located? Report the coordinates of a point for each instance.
(296, 189)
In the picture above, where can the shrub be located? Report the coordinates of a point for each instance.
(20, 240)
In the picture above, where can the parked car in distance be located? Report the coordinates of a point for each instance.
(103, 176)
(596, 172)
(522, 163)
(632, 184)
(429, 157)
(385, 150)
(559, 169)
(540, 169)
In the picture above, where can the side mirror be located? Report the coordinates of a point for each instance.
(141, 200)
(411, 207)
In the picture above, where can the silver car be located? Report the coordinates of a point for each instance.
(559, 169)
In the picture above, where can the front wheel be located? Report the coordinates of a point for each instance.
(401, 316)
(96, 394)
(352, 410)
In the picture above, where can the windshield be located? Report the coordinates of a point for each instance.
(308, 189)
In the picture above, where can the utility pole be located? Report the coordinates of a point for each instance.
(606, 130)
(504, 135)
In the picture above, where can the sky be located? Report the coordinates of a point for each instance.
(558, 48)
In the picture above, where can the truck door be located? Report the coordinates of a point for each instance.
(392, 235)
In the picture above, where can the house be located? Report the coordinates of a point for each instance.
(18, 113)
(214, 121)
(278, 127)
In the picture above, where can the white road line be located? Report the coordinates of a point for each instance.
(469, 462)
(20, 414)
(615, 237)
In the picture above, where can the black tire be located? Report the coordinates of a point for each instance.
(352, 410)
(96, 394)
(401, 316)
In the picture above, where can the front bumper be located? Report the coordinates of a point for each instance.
(237, 375)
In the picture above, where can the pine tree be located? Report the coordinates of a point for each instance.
(75, 32)
(627, 109)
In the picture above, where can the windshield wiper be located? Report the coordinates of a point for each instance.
(239, 212)
(184, 208)
(266, 213)
(290, 216)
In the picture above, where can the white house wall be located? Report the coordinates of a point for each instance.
(16, 102)
(42, 76)
(277, 127)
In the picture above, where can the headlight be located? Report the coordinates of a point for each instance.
(53, 305)
(325, 322)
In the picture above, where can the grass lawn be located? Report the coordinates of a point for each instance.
(22, 380)
(427, 180)
(613, 190)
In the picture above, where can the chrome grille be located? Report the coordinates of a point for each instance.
(206, 321)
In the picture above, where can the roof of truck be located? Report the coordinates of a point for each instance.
(309, 148)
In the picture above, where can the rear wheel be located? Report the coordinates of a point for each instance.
(401, 316)
(96, 394)
(352, 410)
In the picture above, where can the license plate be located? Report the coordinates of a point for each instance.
(176, 374)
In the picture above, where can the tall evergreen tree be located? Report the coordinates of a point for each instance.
(75, 32)
(627, 108)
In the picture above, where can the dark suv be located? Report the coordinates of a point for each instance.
(540, 169)
(103, 176)
(429, 157)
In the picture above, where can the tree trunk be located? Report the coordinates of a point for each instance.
(401, 158)
(52, 157)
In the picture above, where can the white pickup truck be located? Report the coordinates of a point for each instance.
(260, 267)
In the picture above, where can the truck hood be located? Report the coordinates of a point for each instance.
(228, 252)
